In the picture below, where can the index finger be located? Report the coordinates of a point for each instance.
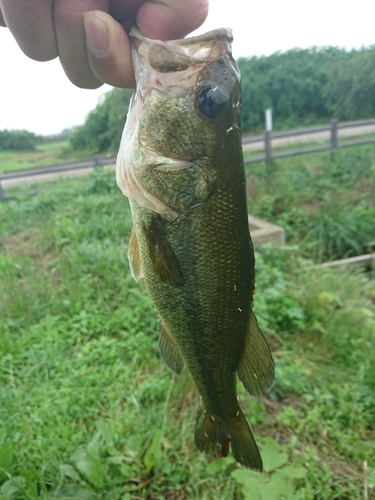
(31, 24)
(156, 19)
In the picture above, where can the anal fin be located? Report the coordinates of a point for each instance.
(134, 257)
(168, 350)
(256, 369)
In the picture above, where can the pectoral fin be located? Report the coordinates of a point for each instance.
(168, 350)
(162, 256)
(134, 257)
(256, 369)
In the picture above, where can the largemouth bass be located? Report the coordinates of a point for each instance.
(181, 166)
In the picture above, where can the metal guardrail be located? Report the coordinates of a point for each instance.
(96, 161)
(333, 128)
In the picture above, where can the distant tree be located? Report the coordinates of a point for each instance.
(18, 140)
(302, 86)
(290, 83)
(103, 127)
(349, 92)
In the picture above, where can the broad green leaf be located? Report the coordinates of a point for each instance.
(73, 492)
(294, 472)
(304, 494)
(244, 476)
(3, 436)
(6, 455)
(69, 471)
(91, 467)
(250, 481)
(272, 457)
(94, 446)
(153, 453)
(105, 431)
(274, 490)
(219, 465)
(7, 489)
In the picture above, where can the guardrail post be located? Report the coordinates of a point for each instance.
(98, 161)
(268, 146)
(334, 135)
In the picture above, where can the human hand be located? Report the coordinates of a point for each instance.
(90, 36)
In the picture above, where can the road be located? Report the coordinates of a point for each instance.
(256, 146)
(315, 137)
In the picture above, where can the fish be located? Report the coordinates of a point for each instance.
(180, 163)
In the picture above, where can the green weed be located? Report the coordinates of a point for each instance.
(278, 480)
(324, 201)
(88, 410)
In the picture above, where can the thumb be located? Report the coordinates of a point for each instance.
(108, 49)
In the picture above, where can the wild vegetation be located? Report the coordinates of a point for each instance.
(307, 86)
(103, 127)
(325, 202)
(18, 140)
(88, 410)
(45, 154)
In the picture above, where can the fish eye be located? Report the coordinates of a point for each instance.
(211, 101)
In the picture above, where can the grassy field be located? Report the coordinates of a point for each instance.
(44, 155)
(325, 201)
(88, 410)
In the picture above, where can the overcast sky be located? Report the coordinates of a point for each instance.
(39, 97)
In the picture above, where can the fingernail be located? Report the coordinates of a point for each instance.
(97, 38)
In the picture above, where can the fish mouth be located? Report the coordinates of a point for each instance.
(181, 55)
(220, 33)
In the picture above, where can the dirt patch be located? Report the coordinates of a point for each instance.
(30, 245)
(174, 495)
(282, 434)
(19, 245)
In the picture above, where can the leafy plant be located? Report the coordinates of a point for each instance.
(349, 90)
(278, 480)
(18, 140)
(103, 127)
(338, 231)
(88, 410)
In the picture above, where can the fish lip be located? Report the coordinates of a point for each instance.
(219, 33)
(190, 53)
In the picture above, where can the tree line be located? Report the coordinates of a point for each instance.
(18, 140)
(308, 86)
(302, 86)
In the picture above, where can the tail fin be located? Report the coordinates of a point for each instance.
(213, 436)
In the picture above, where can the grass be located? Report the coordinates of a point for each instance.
(325, 201)
(88, 410)
(44, 155)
